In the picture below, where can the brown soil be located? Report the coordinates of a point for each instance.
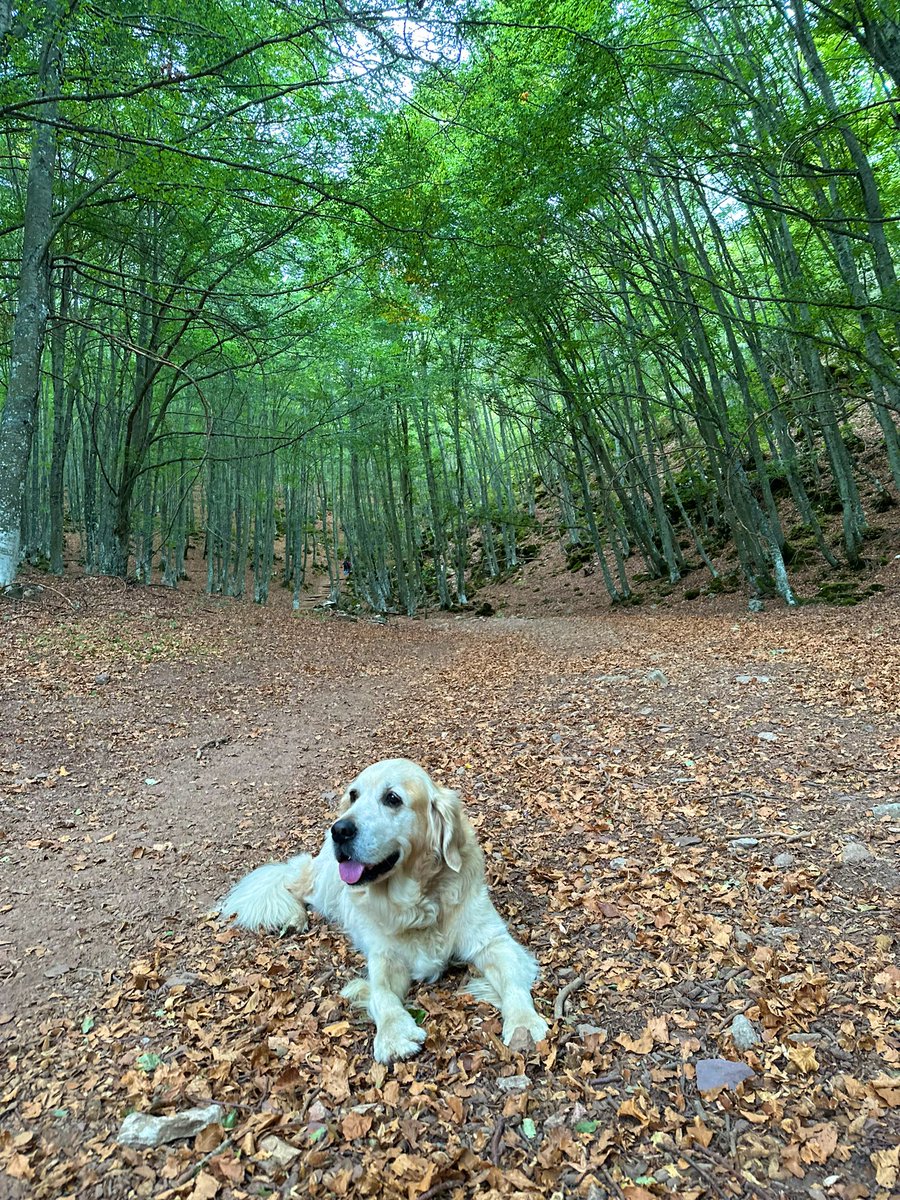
(608, 805)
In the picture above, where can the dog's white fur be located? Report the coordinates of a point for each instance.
(430, 909)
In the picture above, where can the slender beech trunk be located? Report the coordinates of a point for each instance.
(19, 412)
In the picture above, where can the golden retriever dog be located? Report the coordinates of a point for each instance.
(402, 874)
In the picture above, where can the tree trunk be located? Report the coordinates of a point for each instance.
(18, 420)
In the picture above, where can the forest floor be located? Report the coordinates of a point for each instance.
(667, 799)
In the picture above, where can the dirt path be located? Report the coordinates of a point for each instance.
(610, 765)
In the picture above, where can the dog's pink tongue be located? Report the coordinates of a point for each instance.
(351, 872)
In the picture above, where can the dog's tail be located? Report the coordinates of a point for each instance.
(479, 987)
(261, 900)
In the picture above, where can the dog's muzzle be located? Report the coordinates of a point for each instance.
(351, 870)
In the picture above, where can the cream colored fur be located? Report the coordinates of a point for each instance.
(432, 908)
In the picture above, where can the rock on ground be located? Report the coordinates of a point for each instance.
(143, 1129)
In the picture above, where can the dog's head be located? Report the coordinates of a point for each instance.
(392, 812)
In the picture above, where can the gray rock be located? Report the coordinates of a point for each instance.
(102, 678)
(887, 810)
(586, 1031)
(774, 935)
(618, 864)
(279, 1154)
(743, 678)
(854, 853)
(57, 969)
(143, 1129)
(745, 843)
(784, 860)
(655, 675)
(767, 736)
(682, 842)
(556, 737)
(514, 1083)
(744, 1034)
(612, 679)
(756, 605)
(180, 979)
(714, 1073)
(742, 940)
(521, 1041)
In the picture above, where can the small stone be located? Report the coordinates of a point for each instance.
(279, 1154)
(521, 1041)
(655, 675)
(646, 711)
(612, 679)
(681, 842)
(745, 843)
(887, 810)
(58, 968)
(743, 1034)
(742, 940)
(767, 736)
(854, 853)
(557, 737)
(713, 1073)
(144, 1129)
(743, 678)
(618, 863)
(180, 979)
(783, 861)
(831, 1180)
(102, 678)
(756, 605)
(514, 1083)
(775, 934)
(586, 1031)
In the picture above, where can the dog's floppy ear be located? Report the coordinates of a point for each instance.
(444, 815)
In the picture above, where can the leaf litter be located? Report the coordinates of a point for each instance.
(630, 833)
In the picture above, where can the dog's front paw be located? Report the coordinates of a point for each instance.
(532, 1022)
(398, 1039)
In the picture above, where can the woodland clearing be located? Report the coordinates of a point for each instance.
(664, 801)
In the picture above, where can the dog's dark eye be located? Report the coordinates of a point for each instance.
(391, 799)
(353, 794)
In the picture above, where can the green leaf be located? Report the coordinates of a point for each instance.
(87, 1024)
(317, 1134)
(417, 1014)
(230, 1120)
(586, 1126)
(149, 1062)
(528, 1128)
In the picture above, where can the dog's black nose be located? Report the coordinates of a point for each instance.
(343, 831)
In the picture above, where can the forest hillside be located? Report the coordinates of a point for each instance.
(371, 289)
